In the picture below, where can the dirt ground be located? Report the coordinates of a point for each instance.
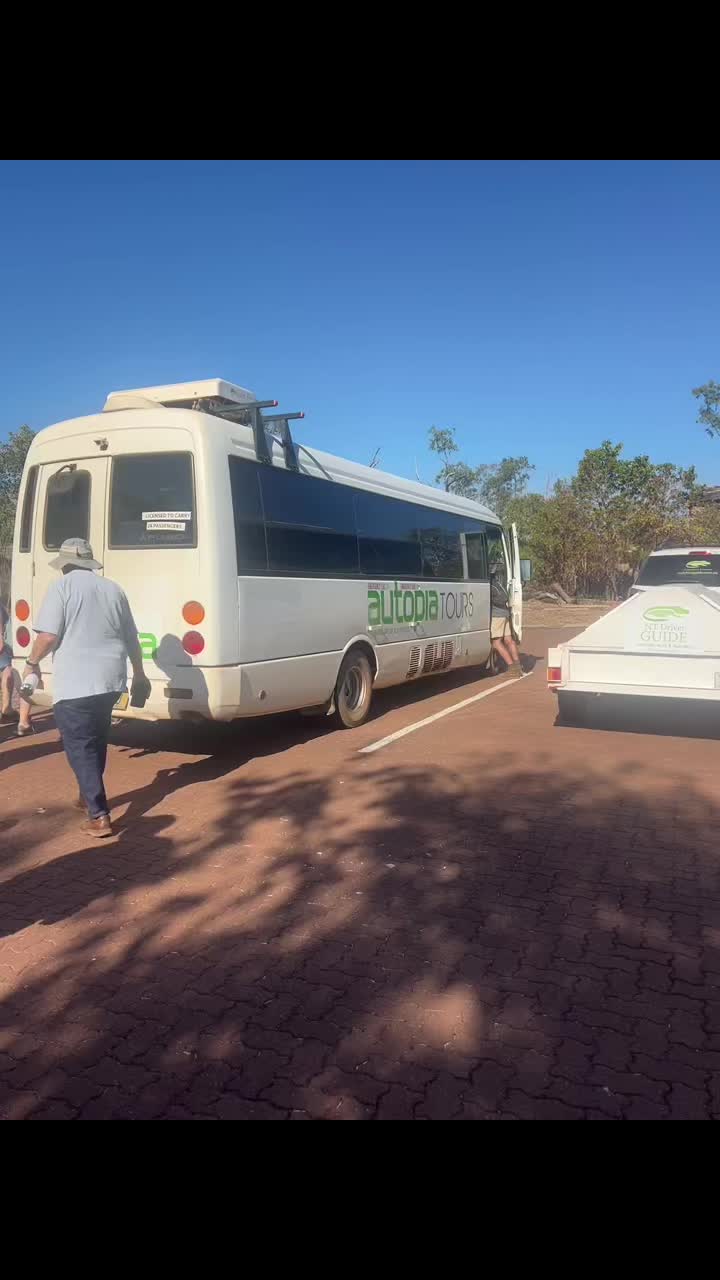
(538, 613)
(489, 917)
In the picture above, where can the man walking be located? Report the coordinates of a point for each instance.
(86, 623)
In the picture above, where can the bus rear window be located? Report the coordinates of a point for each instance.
(67, 507)
(700, 567)
(152, 501)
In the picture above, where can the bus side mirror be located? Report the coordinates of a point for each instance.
(525, 570)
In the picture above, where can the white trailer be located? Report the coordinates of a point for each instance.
(661, 643)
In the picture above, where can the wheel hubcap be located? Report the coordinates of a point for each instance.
(353, 689)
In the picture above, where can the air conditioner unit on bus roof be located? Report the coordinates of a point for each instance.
(180, 395)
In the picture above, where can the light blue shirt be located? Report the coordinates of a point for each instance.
(92, 618)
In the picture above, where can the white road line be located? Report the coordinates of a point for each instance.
(457, 706)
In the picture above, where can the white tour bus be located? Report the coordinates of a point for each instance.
(262, 577)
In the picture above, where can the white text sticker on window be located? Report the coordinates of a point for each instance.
(166, 515)
(163, 526)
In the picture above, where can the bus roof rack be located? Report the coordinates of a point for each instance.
(223, 400)
(250, 414)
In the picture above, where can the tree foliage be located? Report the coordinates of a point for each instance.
(492, 483)
(631, 506)
(592, 532)
(12, 459)
(709, 416)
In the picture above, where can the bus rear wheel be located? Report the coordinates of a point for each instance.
(353, 691)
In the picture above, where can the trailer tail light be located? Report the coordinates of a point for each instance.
(193, 613)
(193, 643)
(554, 675)
(22, 610)
(22, 635)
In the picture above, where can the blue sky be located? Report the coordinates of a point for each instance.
(537, 307)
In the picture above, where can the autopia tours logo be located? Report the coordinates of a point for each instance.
(394, 603)
(664, 624)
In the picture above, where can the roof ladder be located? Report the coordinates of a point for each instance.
(251, 414)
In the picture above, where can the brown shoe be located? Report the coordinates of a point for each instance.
(100, 827)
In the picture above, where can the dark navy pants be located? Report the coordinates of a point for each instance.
(84, 725)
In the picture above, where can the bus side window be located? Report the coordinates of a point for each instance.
(477, 561)
(28, 510)
(388, 536)
(309, 524)
(250, 541)
(496, 556)
(441, 550)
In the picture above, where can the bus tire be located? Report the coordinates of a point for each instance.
(353, 691)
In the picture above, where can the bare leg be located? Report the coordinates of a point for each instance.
(510, 642)
(25, 713)
(7, 687)
(500, 647)
(22, 706)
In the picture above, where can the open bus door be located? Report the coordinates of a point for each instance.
(514, 589)
(70, 504)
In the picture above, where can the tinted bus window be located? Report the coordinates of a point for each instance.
(248, 513)
(695, 566)
(496, 555)
(309, 524)
(291, 523)
(28, 510)
(152, 501)
(389, 537)
(440, 543)
(477, 561)
(67, 508)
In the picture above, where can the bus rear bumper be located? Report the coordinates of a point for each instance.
(190, 693)
(227, 693)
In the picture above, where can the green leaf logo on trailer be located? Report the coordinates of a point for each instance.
(665, 613)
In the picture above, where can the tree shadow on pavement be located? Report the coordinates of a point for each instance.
(26, 749)
(247, 739)
(541, 946)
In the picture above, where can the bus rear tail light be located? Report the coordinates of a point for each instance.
(193, 613)
(22, 635)
(554, 675)
(193, 643)
(22, 610)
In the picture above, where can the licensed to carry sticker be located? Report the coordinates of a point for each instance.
(166, 515)
(157, 526)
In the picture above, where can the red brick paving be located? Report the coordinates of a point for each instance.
(492, 918)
